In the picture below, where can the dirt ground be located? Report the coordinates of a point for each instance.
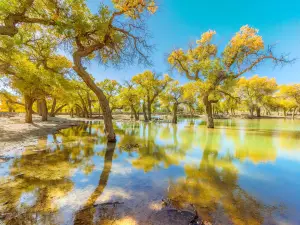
(15, 134)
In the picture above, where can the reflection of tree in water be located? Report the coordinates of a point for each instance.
(86, 214)
(42, 174)
(150, 154)
(213, 187)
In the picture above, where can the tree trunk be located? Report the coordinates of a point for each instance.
(208, 109)
(293, 113)
(251, 112)
(53, 108)
(109, 130)
(175, 107)
(258, 111)
(284, 112)
(72, 113)
(28, 108)
(149, 103)
(44, 110)
(85, 110)
(136, 117)
(89, 105)
(39, 107)
(59, 108)
(145, 113)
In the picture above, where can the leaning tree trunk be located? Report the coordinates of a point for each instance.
(28, 108)
(107, 116)
(209, 114)
(59, 108)
(44, 110)
(145, 113)
(175, 107)
(258, 111)
(53, 108)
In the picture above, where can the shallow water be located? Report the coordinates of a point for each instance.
(241, 172)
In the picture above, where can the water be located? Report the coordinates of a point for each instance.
(241, 172)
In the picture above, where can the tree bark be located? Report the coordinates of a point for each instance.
(251, 110)
(53, 108)
(44, 110)
(28, 108)
(149, 103)
(72, 113)
(284, 112)
(59, 108)
(89, 104)
(145, 113)
(258, 111)
(85, 110)
(109, 130)
(208, 109)
(293, 113)
(39, 107)
(175, 108)
(136, 117)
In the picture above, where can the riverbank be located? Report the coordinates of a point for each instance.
(15, 134)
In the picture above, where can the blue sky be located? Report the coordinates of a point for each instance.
(180, 22)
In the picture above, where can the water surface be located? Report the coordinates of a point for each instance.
(241, 172)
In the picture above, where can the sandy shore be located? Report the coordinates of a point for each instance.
(15, 134)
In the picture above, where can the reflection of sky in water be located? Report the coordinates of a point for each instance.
(264, 154)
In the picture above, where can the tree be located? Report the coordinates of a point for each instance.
(111, 89)
(10, 102)
(102, 34)
(255, 92)
(111, 41)
(217, 72)
(290, 93)
(130, 95)
(32, 66)
(174, 95)
(152, 86)
(191, 95)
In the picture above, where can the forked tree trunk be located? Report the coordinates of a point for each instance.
(44, 110)
(209, 114)
(145, 113)
(109, 130)
(28, 108)
(175, 108)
